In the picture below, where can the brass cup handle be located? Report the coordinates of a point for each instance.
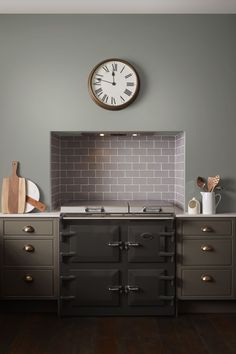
(206, 278)
(28, 278)
(28, 229)
(28, 248)
(206, 248)
(206, 229)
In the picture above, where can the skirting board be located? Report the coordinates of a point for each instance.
(206, 306)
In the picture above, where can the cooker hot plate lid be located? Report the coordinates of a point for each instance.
(95, 207)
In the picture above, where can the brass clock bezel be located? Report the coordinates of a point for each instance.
(105, 105)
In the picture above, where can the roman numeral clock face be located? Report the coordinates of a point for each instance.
(113, 84)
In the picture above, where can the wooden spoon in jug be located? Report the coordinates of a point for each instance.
(213, 182)
(201, 183)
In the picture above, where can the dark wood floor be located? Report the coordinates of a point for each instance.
(47, 334)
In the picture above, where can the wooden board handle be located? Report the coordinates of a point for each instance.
(14, 168)
(39, 205)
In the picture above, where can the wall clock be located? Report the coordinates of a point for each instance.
(113, 84)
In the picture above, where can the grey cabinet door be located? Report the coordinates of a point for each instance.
(91, 287)
(95, 242)
(148, 287)
(148, 242)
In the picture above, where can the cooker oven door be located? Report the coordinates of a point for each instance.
(90, 241)
(83, 288)
(150, 287)
(151, 241)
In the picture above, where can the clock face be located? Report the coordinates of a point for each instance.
(113, 84)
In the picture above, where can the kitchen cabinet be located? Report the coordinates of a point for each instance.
(117, 267)
(29, 258)
(206, 258)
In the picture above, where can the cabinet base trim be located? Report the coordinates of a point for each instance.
(204, 306)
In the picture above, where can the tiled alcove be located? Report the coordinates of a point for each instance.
(87, 166)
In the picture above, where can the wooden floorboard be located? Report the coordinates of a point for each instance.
(48, 334)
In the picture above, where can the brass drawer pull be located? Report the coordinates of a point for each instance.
(206, 248)
(28, 278)
(206, 278)
(206, 229)
(28, 229)
(28, 248)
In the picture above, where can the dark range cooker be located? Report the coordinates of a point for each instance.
(117, 259)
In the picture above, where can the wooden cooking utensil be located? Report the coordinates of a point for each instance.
(13, 192)
(38, 205)
(5, 189)
(209, 184)
(201, 183)
(212, 183)
(215, 182)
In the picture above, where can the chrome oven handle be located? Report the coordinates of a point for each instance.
(132, 244)
(116, 244)
(116, 289)
(131, 288)
(94, 210)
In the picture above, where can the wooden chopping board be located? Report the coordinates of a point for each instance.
(13, 192)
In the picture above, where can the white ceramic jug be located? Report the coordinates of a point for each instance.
(209, 203)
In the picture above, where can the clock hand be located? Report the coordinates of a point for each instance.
(113, 77)
(109, 82)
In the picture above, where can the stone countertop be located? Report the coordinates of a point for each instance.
(55, 214)
(219, 215)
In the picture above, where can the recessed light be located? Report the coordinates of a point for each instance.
(134, 134)
(102, 134)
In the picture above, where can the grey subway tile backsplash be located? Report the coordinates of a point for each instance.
(90, 167)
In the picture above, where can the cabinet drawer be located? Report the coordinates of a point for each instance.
(217, 283)
(28, 252)
(207, 252)
(27, 227)
(207, 227)
(23, 283)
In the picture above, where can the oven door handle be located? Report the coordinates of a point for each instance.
(94, 210)
(116, 244)
(116, 289)
(132, 244)
(131, 288)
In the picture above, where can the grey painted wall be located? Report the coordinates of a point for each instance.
(187, 65)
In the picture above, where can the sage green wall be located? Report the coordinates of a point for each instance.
(187, 65)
